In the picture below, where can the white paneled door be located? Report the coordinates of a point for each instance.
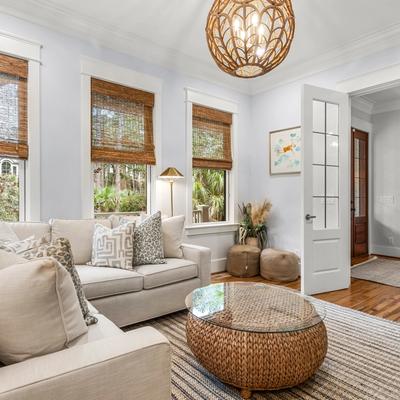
(326, 190)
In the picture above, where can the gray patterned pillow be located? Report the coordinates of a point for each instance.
(61, 251)
(22, 246)
(147, 242)
(113, 247)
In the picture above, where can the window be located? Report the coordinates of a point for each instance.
(122, 147)
(13, 136)
(212, 162)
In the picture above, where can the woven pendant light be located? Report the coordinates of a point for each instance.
(248, 38)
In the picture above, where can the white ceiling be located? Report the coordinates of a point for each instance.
(384, 96)
(171, 32)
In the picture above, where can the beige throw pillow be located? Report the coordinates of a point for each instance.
(39, 310)
(7, 259)
(172, 230)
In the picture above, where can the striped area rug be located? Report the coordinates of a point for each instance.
(363, 362)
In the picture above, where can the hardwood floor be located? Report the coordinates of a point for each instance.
(369, 297)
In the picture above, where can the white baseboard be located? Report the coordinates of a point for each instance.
(218, 265)
(389, 251)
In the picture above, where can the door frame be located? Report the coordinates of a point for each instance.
(353, 129)
(375, 81)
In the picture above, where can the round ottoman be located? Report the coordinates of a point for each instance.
(243, 261)
(279, 265)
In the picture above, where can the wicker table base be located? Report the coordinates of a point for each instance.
(257, 361)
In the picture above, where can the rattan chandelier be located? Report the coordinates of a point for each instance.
(248, 38)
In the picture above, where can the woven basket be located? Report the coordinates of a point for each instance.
(257, 361)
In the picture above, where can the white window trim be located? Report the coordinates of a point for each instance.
(30, 51)
(122, 76)
(194, 96)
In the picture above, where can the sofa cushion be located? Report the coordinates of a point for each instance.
(7, 259)
(102, 330)
(172, 230)
(100, 282)
(39, 310)
(60, 249)
(175, 270)
(25, 230)
(7, 234)
(79, 233)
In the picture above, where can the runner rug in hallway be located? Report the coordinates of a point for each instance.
(363, 362)
(381, 270)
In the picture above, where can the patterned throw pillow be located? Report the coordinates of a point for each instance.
(61, 251)
(113, 247)
(22, 246)
(147, 242)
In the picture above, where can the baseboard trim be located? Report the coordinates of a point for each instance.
(218, 265)
(389, 251)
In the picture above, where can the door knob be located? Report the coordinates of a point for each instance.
(310, 217)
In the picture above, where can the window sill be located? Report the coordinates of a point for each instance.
(213, 228)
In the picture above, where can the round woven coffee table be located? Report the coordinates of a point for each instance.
(255, 336)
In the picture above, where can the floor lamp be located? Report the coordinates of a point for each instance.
(171, 174)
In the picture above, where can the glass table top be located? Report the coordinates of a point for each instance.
(255, 307)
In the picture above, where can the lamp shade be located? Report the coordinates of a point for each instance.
(248, 38)
(171, 173)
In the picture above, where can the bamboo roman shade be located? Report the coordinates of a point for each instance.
(211, 138)
(122, 124)
(13, 107)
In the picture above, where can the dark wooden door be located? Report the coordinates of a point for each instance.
(359, 194)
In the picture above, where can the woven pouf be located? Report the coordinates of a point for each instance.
(279, 265)
(243, 261)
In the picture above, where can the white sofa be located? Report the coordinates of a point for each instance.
(106, 363)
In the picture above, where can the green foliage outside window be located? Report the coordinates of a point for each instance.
(209, 189)
(9, 198)
(120, 188)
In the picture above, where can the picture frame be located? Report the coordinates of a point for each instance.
(285, 151)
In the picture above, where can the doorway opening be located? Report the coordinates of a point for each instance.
(375, 183)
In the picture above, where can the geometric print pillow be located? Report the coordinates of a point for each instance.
(60, 250)
(113, 247)
(148, 242)
(21, 246)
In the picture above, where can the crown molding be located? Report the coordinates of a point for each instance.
(369, 44)
(362, 104)
(63, 20)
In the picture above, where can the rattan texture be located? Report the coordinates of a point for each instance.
(264, 338)
(248, 38)
(257, 361)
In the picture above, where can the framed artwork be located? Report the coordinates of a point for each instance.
(285, 151)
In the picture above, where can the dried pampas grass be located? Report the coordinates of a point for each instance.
(260, 212)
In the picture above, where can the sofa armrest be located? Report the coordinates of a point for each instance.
(135, 365)
(202, 256)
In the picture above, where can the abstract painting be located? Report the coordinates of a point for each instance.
(285, 151)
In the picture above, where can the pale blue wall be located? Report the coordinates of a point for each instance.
(60, 114)
(281, 108)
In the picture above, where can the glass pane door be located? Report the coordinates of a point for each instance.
(325, 165)
(360, 178)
